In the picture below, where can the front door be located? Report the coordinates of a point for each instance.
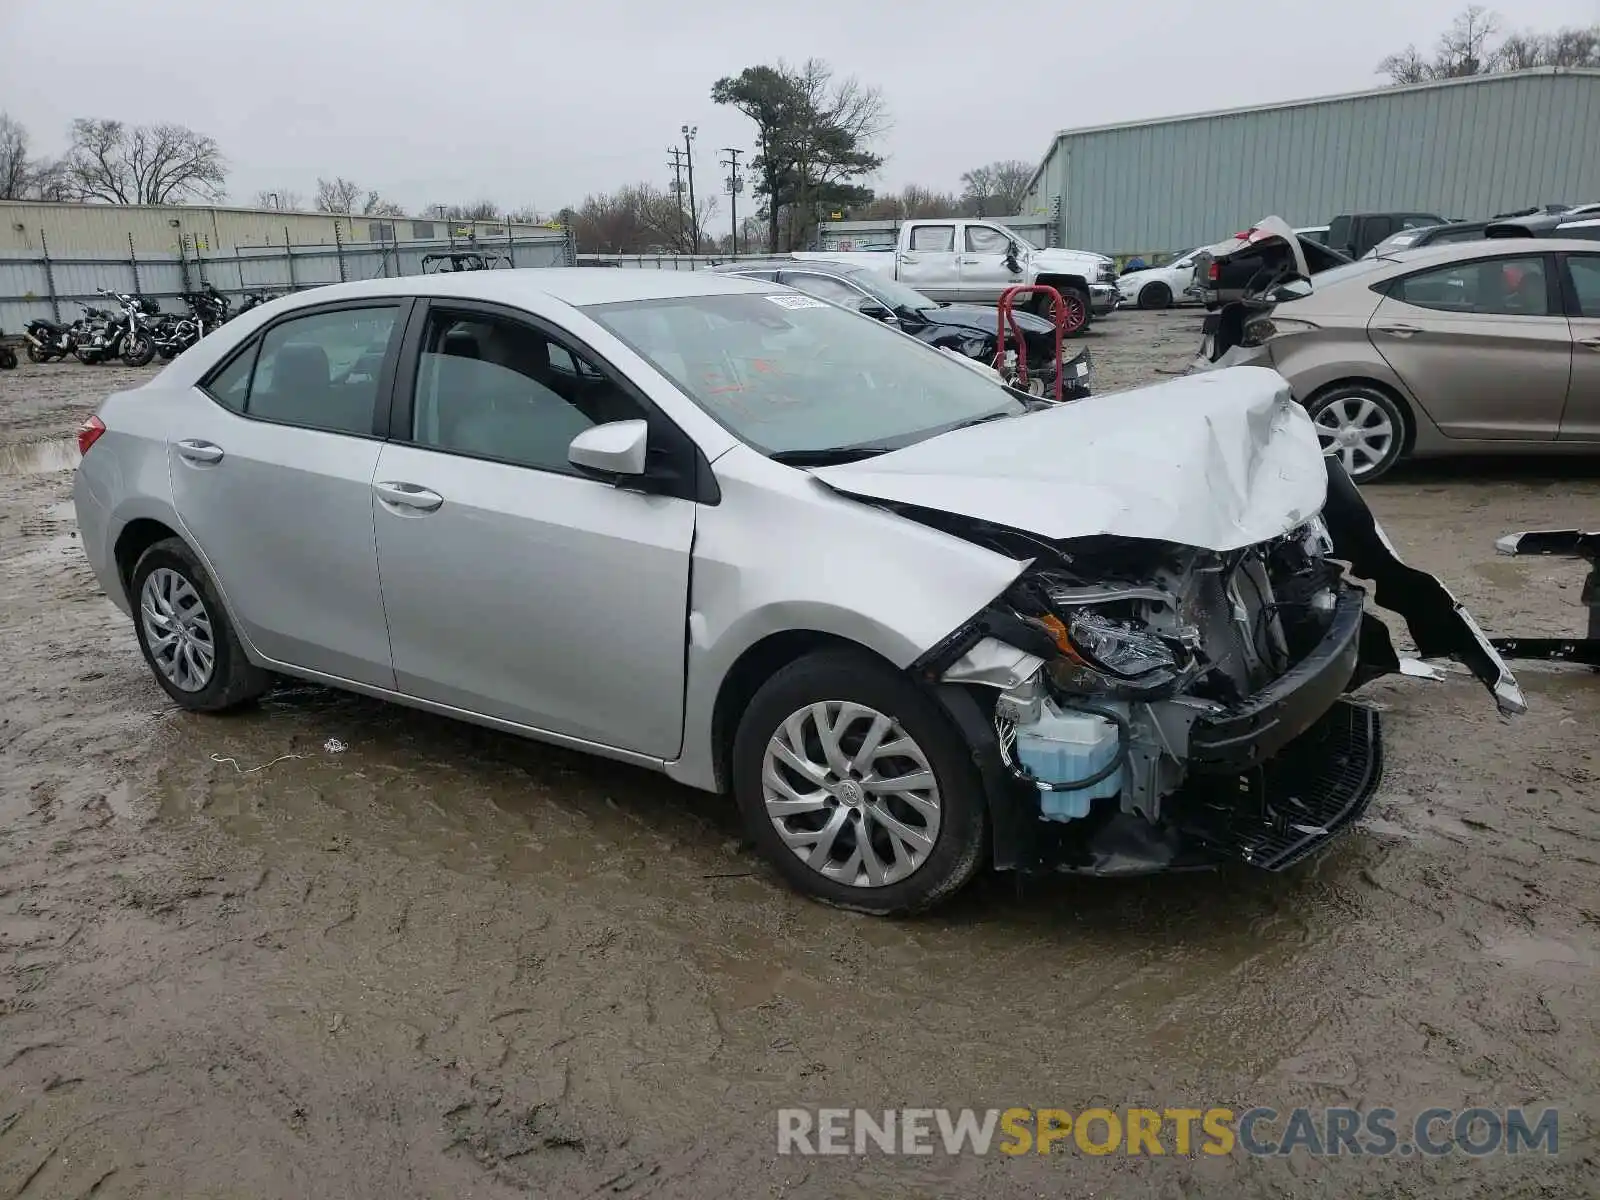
(929, 262)
(1581, 420)
(984, 273)
(515, 587)
(272, 479)
(1483, 345)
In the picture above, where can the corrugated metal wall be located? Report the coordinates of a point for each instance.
(1464, 149)
(104, 228)
(55, 288)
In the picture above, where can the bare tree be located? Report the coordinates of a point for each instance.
(1466, 49)
(284, 198)
(638, 219)
(16, 169)
(996, 189)
(913, 201)
(142, 164)
(337, 195)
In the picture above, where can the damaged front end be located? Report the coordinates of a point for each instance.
(1151, 706)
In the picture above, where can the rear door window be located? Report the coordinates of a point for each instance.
(1510, 287)
(933, 239)
(1585, 271)
(823, 287)
(319, 371)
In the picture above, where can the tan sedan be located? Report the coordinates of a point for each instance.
(1482, 347)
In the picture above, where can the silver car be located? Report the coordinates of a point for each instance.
(913, 620)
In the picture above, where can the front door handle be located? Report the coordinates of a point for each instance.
(197, 451)
(408, 495)
(1398, 330)
(1593, 343)
(971, 262)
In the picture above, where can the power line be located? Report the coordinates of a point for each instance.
(735, 186)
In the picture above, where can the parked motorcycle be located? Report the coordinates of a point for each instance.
(124, 334)
(49, 340)
(251, 299)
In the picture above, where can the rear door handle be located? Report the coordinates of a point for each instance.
(197, 451)
(1593, 343)
(408, 495)
(1398, 330)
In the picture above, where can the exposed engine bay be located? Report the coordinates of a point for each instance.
(1156, 706)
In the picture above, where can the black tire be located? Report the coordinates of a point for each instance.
(8, 359)
(138, 349)
(234, 679)
(1362, 467)
(842, 675)
(36, 355)
(1155, 295)
(168, 353)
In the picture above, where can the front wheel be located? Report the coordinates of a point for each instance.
(857, 787)
(138, 349)
(1360, 425)
(36, 355)
(1077, 302)
(185, 634)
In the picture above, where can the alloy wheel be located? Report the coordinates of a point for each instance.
(1357, 431)
(851, 794)
(177, 629)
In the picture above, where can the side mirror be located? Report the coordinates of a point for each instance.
(615, 448)
(868, 307)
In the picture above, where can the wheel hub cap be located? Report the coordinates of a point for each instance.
(851, 794)
(1356, 431)
(177, 629)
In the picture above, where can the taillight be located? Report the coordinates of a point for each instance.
(89, 433)
(1214, 272)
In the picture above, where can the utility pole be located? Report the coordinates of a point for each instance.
(694, 215)
(676, 164)
(735, 186)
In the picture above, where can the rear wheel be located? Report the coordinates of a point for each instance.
(185, 634)
(857, 787)
(1360, 425)
(1155, 295)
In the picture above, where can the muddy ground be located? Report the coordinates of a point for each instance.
(236, 960)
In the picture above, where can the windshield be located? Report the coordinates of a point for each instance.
(895, 295)
(788, 373)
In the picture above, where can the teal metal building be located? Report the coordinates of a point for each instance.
(1466, 148)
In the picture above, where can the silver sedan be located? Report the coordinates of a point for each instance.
(914, 620)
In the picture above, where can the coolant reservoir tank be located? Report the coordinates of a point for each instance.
(1064, 746)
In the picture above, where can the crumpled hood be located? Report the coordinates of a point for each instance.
(1219, 461)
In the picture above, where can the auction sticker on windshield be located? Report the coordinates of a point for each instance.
(797, 302)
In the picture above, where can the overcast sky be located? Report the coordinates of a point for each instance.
(540, 103)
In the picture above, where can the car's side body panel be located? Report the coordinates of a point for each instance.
(783, 552)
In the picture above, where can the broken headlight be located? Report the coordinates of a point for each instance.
(1116, 647)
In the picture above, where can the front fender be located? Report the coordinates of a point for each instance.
(785, 553)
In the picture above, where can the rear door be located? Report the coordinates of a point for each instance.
(272, 479)
(1581, 420)
(1482, 344)
(929, 262)
(984, 273)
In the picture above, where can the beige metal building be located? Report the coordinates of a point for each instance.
(91, 229)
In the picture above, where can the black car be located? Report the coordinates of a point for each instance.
(967, 329)
(1557, 225)
(1431, 235)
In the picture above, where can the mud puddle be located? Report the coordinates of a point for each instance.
(38, 458)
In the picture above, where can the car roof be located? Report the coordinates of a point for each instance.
(1414, 256)
(577, 286)
(819, 265)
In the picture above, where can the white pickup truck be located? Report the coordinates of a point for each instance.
(972, 262)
